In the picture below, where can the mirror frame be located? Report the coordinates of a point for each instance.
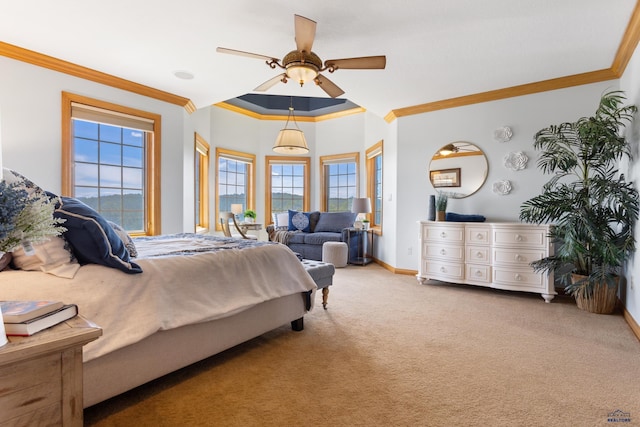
(451, 173)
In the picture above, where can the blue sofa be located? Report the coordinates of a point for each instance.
(306, 232)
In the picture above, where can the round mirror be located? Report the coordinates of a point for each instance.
(458, 169)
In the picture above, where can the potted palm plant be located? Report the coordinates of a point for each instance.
(590, 204)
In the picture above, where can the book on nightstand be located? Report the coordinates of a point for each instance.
(45, 321)
(21, 311)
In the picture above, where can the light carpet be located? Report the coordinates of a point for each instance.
(391, 352)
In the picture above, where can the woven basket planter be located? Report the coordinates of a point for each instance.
(600, 298)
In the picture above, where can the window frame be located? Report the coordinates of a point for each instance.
(152, 155)
(371, 154)
(202, 151)
(279, 160)
(248, 158)
(335, 159)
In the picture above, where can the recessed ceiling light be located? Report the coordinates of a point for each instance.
(184, 75)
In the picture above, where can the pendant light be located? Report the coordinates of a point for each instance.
(291, 140)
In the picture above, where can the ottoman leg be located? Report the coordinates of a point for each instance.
(325, 297)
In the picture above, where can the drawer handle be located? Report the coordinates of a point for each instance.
(479, 236)
(443, 270)
(443, 252)
(518, 277)
(478, 273)
(443, 234)
(519, 257)
(479, 254)
(518, 238)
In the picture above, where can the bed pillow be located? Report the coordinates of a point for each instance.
(91, 237)
(5, 260)
(126, 239)
(53, 256)
(299, 221)
(22, 183)
(335, 221)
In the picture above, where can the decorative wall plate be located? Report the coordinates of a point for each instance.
(503, 134)
(516, 161)
(502, 187)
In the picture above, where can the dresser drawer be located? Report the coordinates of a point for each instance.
(478, 254)
(524, 237)
(453, 253)
(480, 235)
(478, 273)
(436, 233)
(516, 257)
(518, 278)
(443, 270)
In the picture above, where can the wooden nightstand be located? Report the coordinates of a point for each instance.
(41, 375)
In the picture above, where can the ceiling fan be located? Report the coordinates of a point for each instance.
(303, 65)
(457, 147)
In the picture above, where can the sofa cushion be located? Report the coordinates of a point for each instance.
(299, 221)
(296, 238)
(320, 237)
(335, 221)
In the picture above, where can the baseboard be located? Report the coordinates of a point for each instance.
(631, 322)
(395, 270)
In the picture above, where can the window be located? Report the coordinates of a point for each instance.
(201, 183)
(339, 177)
(287, 184)
(374, 183)
(111, 161)
(236, 180)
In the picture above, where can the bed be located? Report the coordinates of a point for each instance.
(196, 296)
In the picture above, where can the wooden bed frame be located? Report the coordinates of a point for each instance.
(168, 351)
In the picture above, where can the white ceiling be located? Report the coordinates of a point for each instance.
(435, 49)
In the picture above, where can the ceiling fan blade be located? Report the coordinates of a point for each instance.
(270, 83)
(362, 63)
(247, 54)
(305, 32)
(328, 86)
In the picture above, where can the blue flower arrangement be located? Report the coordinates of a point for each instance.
(25, 219)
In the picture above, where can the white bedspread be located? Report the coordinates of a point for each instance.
(172, 291)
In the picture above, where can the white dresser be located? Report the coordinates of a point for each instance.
(495, 255)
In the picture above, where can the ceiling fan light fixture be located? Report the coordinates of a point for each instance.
(448, 149)
(291, 140)
(302, 73)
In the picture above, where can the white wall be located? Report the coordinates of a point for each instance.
(31, 129)
(419, 136)
(630, 83)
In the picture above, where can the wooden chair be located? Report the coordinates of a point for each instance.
(226, 227)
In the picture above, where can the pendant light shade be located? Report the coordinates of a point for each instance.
(291, 140)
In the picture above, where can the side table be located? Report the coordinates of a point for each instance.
(360, 244)
(41, 375)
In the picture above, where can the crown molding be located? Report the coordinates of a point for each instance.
(41, 60)
(282, 117)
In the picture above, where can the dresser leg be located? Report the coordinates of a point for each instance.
(421, 280)
(548, 297)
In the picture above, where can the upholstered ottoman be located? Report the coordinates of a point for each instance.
(322, 274)
(335, 253)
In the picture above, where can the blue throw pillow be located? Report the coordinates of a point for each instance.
(299, 221)
(335, 221)
(91, 237)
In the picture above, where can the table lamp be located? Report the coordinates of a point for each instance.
(361, 205)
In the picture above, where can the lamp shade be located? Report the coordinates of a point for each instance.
(291, 141)
(236, 209)
(361, 205)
